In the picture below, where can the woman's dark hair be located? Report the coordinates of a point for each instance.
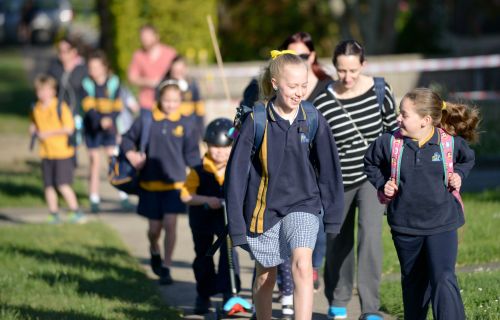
(306, 39)
(177, 58)
(349, 48)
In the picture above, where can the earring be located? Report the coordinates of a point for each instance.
(275, 88)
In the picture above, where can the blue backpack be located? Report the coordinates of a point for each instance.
(121, 174)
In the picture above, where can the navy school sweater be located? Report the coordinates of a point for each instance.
(171, 149)
(282, 179)
(423, 205)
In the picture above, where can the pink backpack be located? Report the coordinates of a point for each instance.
(397, 147)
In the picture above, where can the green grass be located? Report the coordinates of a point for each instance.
(478, 238)
(73, 272)
(21, 185)
(480, 294)
(16, 95)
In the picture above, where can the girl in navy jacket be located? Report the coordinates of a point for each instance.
(274, 199)
(423, 213)
(170, 150)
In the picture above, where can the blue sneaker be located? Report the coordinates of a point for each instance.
(77, 217)
(337, 313)
(371, 316)
(54, 218)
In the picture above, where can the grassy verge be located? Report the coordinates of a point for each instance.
(478, 239)
(480, 294)
(16, 95)
(21, 185)
(73, 272)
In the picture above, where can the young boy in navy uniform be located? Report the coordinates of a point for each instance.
(170, 150)
(204, 193)
(52, 123)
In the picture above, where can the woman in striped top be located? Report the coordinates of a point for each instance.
(352, 109)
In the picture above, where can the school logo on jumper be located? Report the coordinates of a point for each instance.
(178, 131)
(436, 156)
(303, 138)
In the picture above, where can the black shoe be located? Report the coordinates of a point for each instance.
(165, 277)
(155, 263)
(202, 305)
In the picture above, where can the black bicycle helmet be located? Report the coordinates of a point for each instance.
(217, 132)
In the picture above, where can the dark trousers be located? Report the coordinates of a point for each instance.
(428, 275)
(205, 227)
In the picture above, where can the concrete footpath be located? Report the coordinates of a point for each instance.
(132, 229)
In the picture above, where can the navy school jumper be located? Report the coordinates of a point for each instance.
(423, 205)
(281, 179)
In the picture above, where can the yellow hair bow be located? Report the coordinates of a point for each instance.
(444, 106)
(277, 53)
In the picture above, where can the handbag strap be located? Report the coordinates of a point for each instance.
(332, 93)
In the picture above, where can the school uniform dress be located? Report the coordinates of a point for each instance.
(205, 225)
(97, 105)
(56, 152)
(371, 120)
(278, 194)
(170, 150)
(424, 217)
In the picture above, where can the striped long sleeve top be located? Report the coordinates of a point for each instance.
(369, 117)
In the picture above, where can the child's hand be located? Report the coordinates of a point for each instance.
(137, 159)
(106, 123)
(214, 203)
(455, 181)
(390, 189)
(32, 129)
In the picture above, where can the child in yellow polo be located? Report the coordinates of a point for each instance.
(52, 123)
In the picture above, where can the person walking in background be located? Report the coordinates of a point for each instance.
(204, 193)
(149, 65)
(275, 198)
(102, 105)
(170, 150)
(69, 69)
(192, 106)
(358, 109)
(52, 124)
(418, 170)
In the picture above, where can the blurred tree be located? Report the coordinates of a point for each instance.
(120, 22)
(372, 22)
(183, 25)
(249, 29)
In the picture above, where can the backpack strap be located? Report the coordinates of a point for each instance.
(311, 118)
(146, 122)
(380, 91)
(446, 143)
(89, 86)
(397, 147)
(259, 125)
(112, 86)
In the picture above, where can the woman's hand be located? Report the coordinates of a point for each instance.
(390, 189)
(455, 181)
(136, 159)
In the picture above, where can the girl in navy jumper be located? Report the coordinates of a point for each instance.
(424, 211)
(171, 148)
(102, 105)
(274, 199)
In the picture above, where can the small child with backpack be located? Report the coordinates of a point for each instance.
(102, 105)
(204, 193)
(418, 171)
(170, 149)
(52, 124)
(283, 170)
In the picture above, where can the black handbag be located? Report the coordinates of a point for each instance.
(121, 174)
